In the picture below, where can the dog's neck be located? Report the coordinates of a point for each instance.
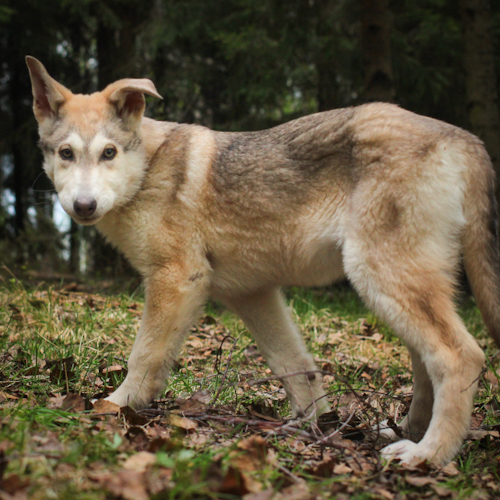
(153, 135)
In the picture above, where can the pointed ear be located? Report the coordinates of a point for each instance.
(127, 96)
(48, 95)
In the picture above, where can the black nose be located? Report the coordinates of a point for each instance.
(84, 207)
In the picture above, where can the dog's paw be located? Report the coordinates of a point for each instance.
(406, 451)
(116, 399)
(122, 397)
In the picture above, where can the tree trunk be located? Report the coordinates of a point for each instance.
(20, 178)
(116, 39)
(480, 78)
(20, 188)
(116, 53)
(376, 25)
(328, 87)
(74, 248)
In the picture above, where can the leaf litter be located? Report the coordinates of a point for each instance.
(222, 428)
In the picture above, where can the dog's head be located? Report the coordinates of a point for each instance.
(91, 144)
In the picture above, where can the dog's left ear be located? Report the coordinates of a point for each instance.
(127, 96)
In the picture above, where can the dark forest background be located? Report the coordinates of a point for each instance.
(230, 65)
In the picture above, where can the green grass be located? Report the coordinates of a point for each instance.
(53, 342)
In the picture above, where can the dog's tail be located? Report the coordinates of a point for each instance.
(480, 238)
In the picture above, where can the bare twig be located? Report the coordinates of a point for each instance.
(287, 375)
(335, 432)
(224, 376)
(292, 476)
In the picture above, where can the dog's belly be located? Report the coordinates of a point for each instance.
(311, 264)
(321, 264)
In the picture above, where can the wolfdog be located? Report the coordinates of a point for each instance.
(387, 198)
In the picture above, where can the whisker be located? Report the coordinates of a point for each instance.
(37, 177)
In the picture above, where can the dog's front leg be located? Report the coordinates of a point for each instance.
(171, 305)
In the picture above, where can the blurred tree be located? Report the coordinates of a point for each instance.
(119, 24)
(480, 76)
(427, 58)
(21, 31)
(51, 40)
(231, 65)
(376, 28)
(337, 55)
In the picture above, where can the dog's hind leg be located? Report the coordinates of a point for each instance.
(415, 297)
(280, 342)
(416, 423)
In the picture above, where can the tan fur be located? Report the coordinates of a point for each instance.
(385, 197)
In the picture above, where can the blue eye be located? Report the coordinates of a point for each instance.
(108, 153)
(66, 154)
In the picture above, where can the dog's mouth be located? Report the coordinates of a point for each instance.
(87, 221)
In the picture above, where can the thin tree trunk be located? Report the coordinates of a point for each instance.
(74, 248)
(19, 177)
(116, 40)
(376, 25)
(480, 77)
(19, 189)
(328, 87)
(116, 53)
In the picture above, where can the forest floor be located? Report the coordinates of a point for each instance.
(222, 428)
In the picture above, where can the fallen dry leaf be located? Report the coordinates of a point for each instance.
(6, 395)
(196, 402)
(450, 469)
(133, 417)
(295, 492)
(130, 485)
(138, 438)
(234, 483)
(253, 454)
(261, 495)
(73, 403)
(13, 484)
(103, 406)
(478, 434)
(181, 422)
(197, 439)
(325, 468)
(441, 490)
(342, 469)
(420, 481)
(140, 461)
(383, 492)
(55, 402)
(491, 378)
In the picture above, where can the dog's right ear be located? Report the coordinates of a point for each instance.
(48, 95)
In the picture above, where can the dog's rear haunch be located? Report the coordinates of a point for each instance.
(387, 198)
